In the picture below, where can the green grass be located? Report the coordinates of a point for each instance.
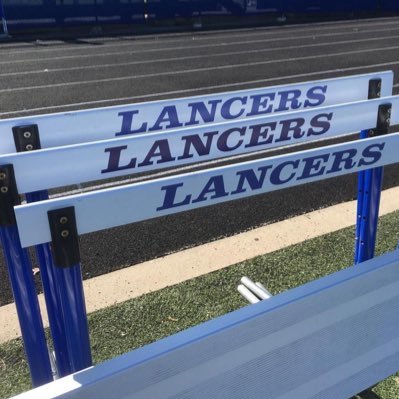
(137, 322)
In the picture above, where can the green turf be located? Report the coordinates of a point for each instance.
(137, 322)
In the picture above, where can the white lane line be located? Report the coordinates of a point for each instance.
(197, 89)
(192, 57)
(154, 38)
(187, 71)
(192, 44)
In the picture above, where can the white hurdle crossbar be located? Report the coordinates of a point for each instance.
(315, 113)
(66, 128)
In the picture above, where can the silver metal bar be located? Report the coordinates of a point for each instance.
(247, 294)
(258, 291)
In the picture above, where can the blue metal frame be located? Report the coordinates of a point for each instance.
(70, 284)
(23, 288)
(372, 186)
(52, 298)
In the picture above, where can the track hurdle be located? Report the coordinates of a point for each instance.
(70, 277)
(285, 347)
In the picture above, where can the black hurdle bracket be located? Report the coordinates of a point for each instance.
(64, 236)
(374, 88)
(9, 196)
(26, 138)
(383, 121)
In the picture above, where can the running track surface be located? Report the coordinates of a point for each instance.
(53, 76)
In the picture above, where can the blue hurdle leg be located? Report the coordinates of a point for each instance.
(51, 295)
(371, 202)
(23, 287)
(70, 285)
(360, 199)
(68, 274)
(369, 194)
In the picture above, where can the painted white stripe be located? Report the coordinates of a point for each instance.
(192, 46)
(197, 89)
(193, 57)
(197, 37)
(206, 69)
(137, 202)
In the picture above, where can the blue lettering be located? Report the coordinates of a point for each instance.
(170, 195)
(222, 143)
(275, 176)
(195, 141)
(291, 125)
(316, 93)
(343, 159)
(114, 159)
(201, 109)
(289, 100)
(260, 104)
(369, 152)
(214, 185)
(317, 122)
(159, 149)
(127, 122)
(261, 131)
(249, 176)
(226, 108)
(169, 116)
(313, 167)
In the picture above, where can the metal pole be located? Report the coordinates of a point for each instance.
(364, 187)
(23, 287)
(371, 203)
(52, 298)
(247, 294)
(371, 195)
(26, 138)
(262, 293)
(360, 199)
(68, 276)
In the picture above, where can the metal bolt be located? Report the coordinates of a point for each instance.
(371, 132)
(4, 189)
(29, 147)
(378, 94)
(2, 175)
(388, 121)
(27, 135)
(63, 220)
(64, 233)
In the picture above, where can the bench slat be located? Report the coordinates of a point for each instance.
(329, 339)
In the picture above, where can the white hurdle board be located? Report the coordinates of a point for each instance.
(74, 127)
(146, 200)
(62, 166)
(328, 339)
